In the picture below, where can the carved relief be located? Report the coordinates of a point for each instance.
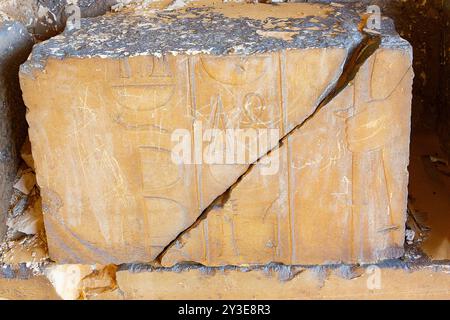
(165, 218)
(339, 195)
(141, 86)
(376, 133)
(234, 92)
(150, 99)
(157, 162)
(242, 85)
(102, 145)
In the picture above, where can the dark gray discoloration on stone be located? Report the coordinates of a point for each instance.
(288, 272)
(283, 272)
(122, 35)
(22, 270)
(202, 30)
(55, 22)
(15, 45)
(349, 271)
(47, 18)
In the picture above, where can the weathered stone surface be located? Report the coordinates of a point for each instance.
(423, 25)
(102, 141)
(266, 282)
(47, 18)
(15, 44)
(73, 282)
(314, 283)
(29, 250)
(36, 288)
(340, 194)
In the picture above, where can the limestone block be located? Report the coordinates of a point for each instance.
(340, 193)
(103, 140)
(35, 288)
(15, 44)
(313, 283)
(72, 282)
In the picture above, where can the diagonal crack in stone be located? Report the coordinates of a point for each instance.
(360, 54)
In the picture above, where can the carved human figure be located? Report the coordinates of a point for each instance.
(374, 133)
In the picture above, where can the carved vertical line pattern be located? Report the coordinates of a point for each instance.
(191, 92)
(351, 234)
(197, 167)
(282, 63)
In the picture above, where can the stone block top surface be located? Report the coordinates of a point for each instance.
(214, 28)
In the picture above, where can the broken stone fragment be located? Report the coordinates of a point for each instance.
(72, 282)
(47, 18)
(228, 283)
(15, 45)
(25, 153)
(26, 182)
(112, 192)
(30, 222)
(29, 250)
(340, 193)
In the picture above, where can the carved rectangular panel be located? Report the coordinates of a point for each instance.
(111, 190)
(106, 102)
(340, 193)
(235, 92)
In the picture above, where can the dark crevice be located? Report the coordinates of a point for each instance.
(363, 51)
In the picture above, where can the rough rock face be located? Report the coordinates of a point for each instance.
(15, 44)
(47, 18)
(103, 139)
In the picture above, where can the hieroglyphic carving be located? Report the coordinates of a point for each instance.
(340, 191)
(139, 87)
(245, 87)
(127, 199)
(151, 100)
(146, 199)
(377, 135)
(249, 229)
(234, 92)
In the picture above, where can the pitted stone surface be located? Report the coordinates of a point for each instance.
(126, 81)
(15, 44)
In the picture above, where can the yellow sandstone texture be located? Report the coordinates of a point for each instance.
(105, 101)
(368, 283)
(341, 189)
(71, 282)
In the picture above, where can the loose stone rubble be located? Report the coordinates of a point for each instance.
(15, 44)
(111, 193)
